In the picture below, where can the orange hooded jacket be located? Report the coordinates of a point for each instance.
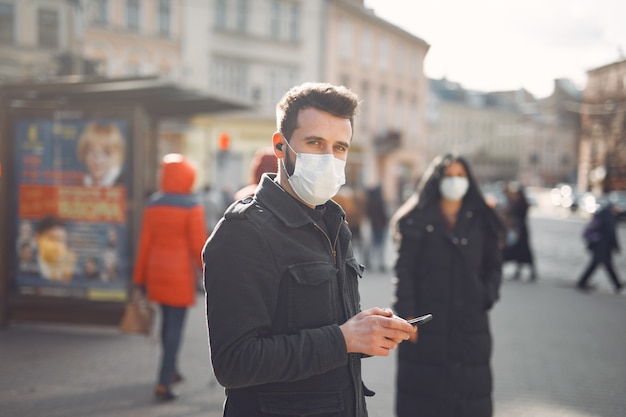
(172, 236)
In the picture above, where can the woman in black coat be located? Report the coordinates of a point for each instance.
(518, 248)
(448, 264)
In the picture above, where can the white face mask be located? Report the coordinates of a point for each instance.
(453, 188)
(316, 177)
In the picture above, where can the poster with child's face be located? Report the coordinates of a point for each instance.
(70, 208)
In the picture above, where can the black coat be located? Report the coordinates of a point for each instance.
(455, 275)
(517, 221)
(277, 289)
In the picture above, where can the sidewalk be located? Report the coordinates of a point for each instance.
(79, 371)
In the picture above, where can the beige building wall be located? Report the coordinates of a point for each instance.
(383, 64)
(126, 51)
(21, 54)
(255, 55)
(490, 138)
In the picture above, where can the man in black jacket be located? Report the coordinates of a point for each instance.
(285, 330)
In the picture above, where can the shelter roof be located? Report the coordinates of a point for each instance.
(161, 98)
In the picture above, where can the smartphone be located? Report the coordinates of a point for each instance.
(420, 320)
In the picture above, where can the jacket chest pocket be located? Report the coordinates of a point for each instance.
(312, 295)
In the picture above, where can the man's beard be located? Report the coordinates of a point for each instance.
(289, 166)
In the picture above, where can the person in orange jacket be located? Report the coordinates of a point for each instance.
(170, 245)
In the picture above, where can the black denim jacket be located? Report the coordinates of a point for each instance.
(278, 288)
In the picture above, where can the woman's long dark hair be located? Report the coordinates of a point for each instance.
(427, 192)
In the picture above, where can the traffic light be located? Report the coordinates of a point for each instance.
(223, 141)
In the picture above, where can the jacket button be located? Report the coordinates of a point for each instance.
(463, 241)
(455, 240)
(469, 214)
(430, 228)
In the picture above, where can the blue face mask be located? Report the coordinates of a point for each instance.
(316, 177)
(454, 188)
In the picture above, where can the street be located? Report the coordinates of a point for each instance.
(557, 352)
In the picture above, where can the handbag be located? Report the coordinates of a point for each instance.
(138, 315)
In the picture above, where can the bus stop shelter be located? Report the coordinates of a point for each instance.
(68, 232)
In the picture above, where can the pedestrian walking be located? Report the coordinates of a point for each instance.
(517, 243)
(353, 201)
(285, 330)
(601, 240)
(172, 235)
(263, 161)
(379, 222)
(448, 265)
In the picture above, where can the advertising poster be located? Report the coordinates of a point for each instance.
(71, 220)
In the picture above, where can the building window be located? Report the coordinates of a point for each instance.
(164, 16)
(366, 48)
(280, 80)
(230, 77)
(48, 24)
(365, 105)
(416, 64)
(345, 40)
(382, 110)
(7, 23)
(399, 111)
(399, 60)
(275, 21)
(132, 14)
(220, 14)
(344, 79)
(242, 15)
(383, 54)
(294, 22)
(100, 13)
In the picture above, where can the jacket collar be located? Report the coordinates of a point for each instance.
(284, 206)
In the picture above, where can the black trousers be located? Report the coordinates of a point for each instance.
(607, 261)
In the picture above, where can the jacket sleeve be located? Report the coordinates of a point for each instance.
(143, 250)
(242, 284)
(196, 234)
(491, 267)
(405, 304)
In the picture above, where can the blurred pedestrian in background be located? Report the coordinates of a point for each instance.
(449, 265)
(379, 222)
(263, 161)
(601, 239)
(213, 204)
(517, 243)
(281, 279)
(170, 244)
(353, 201)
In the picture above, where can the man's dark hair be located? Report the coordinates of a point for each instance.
(336, 100)
(48, 223)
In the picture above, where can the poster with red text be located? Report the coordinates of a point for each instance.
(70, 208)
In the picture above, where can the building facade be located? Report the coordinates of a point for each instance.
(508, 135)
(488, 130)
(33, 35)
(383, 64)
(602, 161)
(128, 38)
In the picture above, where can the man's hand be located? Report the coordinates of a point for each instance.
(376, 331)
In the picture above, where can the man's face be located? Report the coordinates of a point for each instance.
(318, 132)
(52, 244)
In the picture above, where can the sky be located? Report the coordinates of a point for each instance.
(493, 45)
